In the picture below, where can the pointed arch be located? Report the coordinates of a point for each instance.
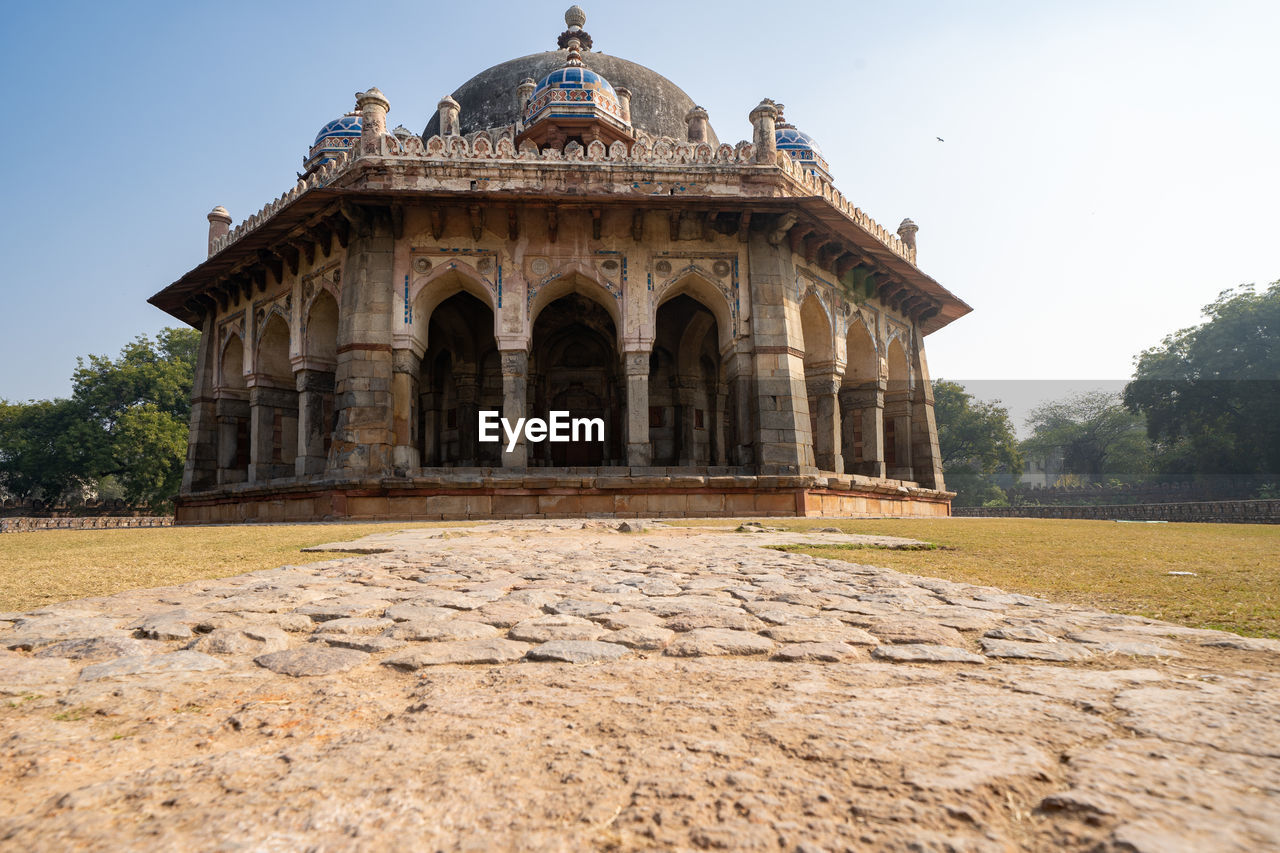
(815, 326)
(447, 280)
(694, 282)
(320, 330)
(271, 357)
(862, 359)
(577, 279)
(899, 366)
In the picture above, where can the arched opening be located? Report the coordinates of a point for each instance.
(273, 404)
(897, 413)
(460, 376)
(574, 367)
(232, 413)
(861, 404)
(315, 384)
(688, 393)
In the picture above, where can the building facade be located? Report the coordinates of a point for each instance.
(567, 234)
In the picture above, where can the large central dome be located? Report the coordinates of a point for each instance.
(489, 99)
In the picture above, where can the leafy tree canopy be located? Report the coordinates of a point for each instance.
(1096, 435)
(1211, 393)
(976, 439)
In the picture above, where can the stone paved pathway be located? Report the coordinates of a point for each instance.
(544, 685)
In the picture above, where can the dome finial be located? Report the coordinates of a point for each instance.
(574, 18)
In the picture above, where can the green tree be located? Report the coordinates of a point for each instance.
(43, 448)
(1211, 393)
(136, 408)
(1097, 436)
(976, 440)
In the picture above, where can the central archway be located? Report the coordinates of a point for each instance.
(460, 376)
(574, 366)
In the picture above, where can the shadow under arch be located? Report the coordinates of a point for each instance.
(696, 285)
(576, 279)
(442, 283)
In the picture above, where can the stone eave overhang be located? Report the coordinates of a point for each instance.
(868, 260)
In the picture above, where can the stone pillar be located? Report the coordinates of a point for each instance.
(363, 438)
(763, 124)
(907, 231)
(266, 405)
(219, 226)
(686, 393)
(315, 420)
(719, 436)
(624, 102)
(926, 457)
(233, 420)
(373, 109)
(515, 403)
(468, 385)
(824, 389)
(524, 91)
(200, 472)
(639, 451)
(740, 375)
(696, 119)
(450, 112)
(782, 400)
(862, 410)
(429, 428)
(897, 419)
(405, 366)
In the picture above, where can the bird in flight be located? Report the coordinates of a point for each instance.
(940, 139)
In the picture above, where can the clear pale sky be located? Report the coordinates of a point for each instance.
(1107, 169)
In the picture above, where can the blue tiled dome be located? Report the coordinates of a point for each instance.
(571, 91)
(574, 78)
(347, 127)
(801, 147)
(337, 135)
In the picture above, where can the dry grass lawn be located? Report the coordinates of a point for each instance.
(1104, 564)
(48, 566)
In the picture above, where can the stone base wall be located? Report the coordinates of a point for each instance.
(23, 525)
(1229, 512)
(564, 497)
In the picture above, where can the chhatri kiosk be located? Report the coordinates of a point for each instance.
(567, 234)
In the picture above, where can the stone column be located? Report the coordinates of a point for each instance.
(430, 429)
(763, 125)
(864, 406)
(686, 392)
(405, 366)
(926, 458)
(782, 400)
(897, 410)
(315, 420)
(233, 417)
(200, 472)
(639, 451)
(449, 116)
(363, 438)
(696, 121)
(719, 452)
(825, 419)
(266, 404)
(468, 415)
(740, 375)
(624, 102)
(219, 225)
(515, 403)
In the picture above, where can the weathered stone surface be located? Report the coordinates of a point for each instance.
(820, 631)
(925, 653)
(439, 630)
(467, 651)
(715, 617)
(1248, 644)
(718, 641)
(544, 629)
(174, 662)
(915, 631)
(312, 660)
(253, 640)
(503, 614)
(577, 651)
(418, 612)
(650, 638)
(647, 750)
(997, 648)
(582, 608)
(1021, 633)
(1137, 648)
(36, 632)
(96, 648)
(822, 651)
(355, 625)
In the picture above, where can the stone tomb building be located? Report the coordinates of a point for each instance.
(568, 233)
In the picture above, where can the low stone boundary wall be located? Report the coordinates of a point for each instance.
(1233, 512)
(23, 525)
